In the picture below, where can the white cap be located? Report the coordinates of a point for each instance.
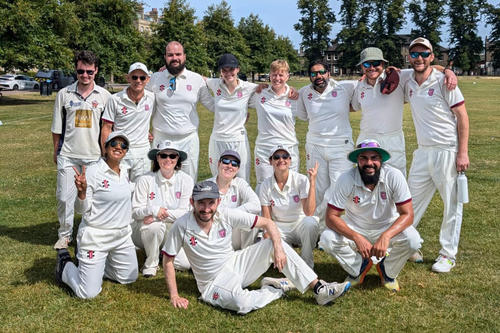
(117, 134)
(278, 147)
(421, 41)
(140, 66)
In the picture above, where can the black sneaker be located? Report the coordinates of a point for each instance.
(63, 257)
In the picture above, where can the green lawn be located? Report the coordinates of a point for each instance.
(464, 300)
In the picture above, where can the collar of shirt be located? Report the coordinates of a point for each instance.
(379, 80)
(359, 182)
(74, 88)
(287, 184)
(285, 94)
(163, 180)
(106, 169)
(430, 79)
(223, 86)
(181, 75)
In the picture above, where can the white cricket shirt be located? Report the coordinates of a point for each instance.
(239, 195)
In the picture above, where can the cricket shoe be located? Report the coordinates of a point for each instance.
(278, 283)
(417, 257)
(365, 268)
(443, 264)
(149, 272)
(63, 257)
(389, 283)
(328, 292)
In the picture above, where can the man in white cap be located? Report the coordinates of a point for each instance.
(442, 127)
(130, 111)
(221, 273)
(377, 225)
(177, 92)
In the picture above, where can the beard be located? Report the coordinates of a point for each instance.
(174, 70)
(320, 83)
(205, 218)
(369, 179)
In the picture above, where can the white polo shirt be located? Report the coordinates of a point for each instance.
(327, 113)
(153, 191)
(275, 118)
(286, 204)
(381, 114)
(130, 118)
(239, 195)
(370, 210)
(431, 104)
(175, 112)
(207, 254)
(77, 120)
(230, 109)
(107, 204)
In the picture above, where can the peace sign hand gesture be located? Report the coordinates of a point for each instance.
(81, 183)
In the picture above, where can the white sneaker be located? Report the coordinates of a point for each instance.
(417, 257)
(149, 272)
(62, 243)
(443, 264)
(278, 283)
(331, 291)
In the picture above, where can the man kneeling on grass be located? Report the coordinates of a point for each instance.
(221, 273)
(378, 218)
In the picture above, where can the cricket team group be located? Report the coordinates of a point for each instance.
(128, 163)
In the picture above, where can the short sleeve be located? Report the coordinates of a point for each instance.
(341, 191)
(173, 243)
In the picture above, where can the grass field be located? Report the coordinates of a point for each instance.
(465, 300)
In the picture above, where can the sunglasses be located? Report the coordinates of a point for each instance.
(114, 143)
(165, 155)
(316, 73)
(368, 64)
(284, 156)
(424, 54)
(172, 84)
(228, 161)
(88, 71)
(135, 77)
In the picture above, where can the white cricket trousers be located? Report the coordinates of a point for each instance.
(434, 168)
(244, 268)
(136, 162)
(216, 148)
(305, 233)
(401, 247)
(263, 169)
(189, 143)
(241, 238)
(66, 191)
(115, 260)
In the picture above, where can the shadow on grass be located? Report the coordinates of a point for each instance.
(38, 234)
(41, 271)
(186, 285)
(8, 100)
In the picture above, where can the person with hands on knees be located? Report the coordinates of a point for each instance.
(289, 199)
(377, 225)
(160, 198)
(221, 273)
(104, 243)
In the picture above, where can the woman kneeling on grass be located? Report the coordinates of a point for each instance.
(104, 243)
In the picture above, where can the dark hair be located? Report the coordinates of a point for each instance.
(87, 57)
(156, 165)
(318, 62)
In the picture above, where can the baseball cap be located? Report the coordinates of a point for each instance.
(421, 41)
(368, 144)
(231, 153)
(205, 190)
(276, 148)
(117, 134)
(166, 145)
(371, 53)
(228, 60)
(140, 66)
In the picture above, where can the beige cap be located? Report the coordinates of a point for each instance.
(421, 41)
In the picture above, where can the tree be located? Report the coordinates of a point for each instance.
(222, 36)
(314, 26)
(466, 44)
(178, 24)
(427, 15)
(283, 49)
(494, 37)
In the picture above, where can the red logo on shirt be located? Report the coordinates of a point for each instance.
(215, 296)
(272, 203)
(257, 161)
(288, 104)
(308, 156)
(95, 104)
(334, 93)
(210, 160)
(239, 94)
(189, 87)
(90, 254)
(430, 92)
(193, 241)
(124, 110)
(234, 198)
(105, 183)
(296, 198)
(218, 92)
(146, 107)
(362, 94)
(178, 195)
(356, 200)
(162, 87)
(310, 96)
(222, 233)
(411, 92)
(263, 100)
(383, 195)
(151, 195)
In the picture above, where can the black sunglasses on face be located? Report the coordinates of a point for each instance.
(114, 143)
(165, 155)
(228, 161)
(88, 71)
(316, 73)
(284, 156)
(424, 54)
(368, 64)
(135, 77)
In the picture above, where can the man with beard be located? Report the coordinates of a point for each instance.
(377, 225)
(177, 92)
(442, 127)
(221, 273)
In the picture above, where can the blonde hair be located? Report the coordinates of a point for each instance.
(280, 65)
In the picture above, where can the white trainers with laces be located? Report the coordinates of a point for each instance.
(278, 283)
(331, 291)
(62, 243)
(443, 264)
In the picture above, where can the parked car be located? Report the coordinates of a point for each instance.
(263, 77)
(58, 78)
(17, 82)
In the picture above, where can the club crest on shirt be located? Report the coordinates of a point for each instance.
(95, 104)
(234, 198)
(334, 93)
(105, 183)
(288, 104)
(362, 95)
(222, 233)
(263, 100)
(189, 87)
(124, 110)
(90, 254)
(146, 107)
(430, 92)
(151, 195)
(215, 296)
(383, 195)
(239, 94)
(193, 241)
(162, 87)
(218, 92)
(257, 161)
(296, 198)
(356, 200)
(178, 194)
(310, 96)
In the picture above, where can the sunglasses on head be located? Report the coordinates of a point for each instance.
(142, 77)
(424, 54)
(88, 71)
(228, 161)
(375, 63)
(123, 145)
(320, 72)
(284, 156)
(165, 155)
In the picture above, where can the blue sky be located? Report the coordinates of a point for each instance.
(280, 15)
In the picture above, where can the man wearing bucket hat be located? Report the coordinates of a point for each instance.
(377, 225)
(130, 111)
(221, 273)
(442, 127)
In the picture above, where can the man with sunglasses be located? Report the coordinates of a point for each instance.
(177, 92)
(130, 111)
(75, 135)
(442, 127)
